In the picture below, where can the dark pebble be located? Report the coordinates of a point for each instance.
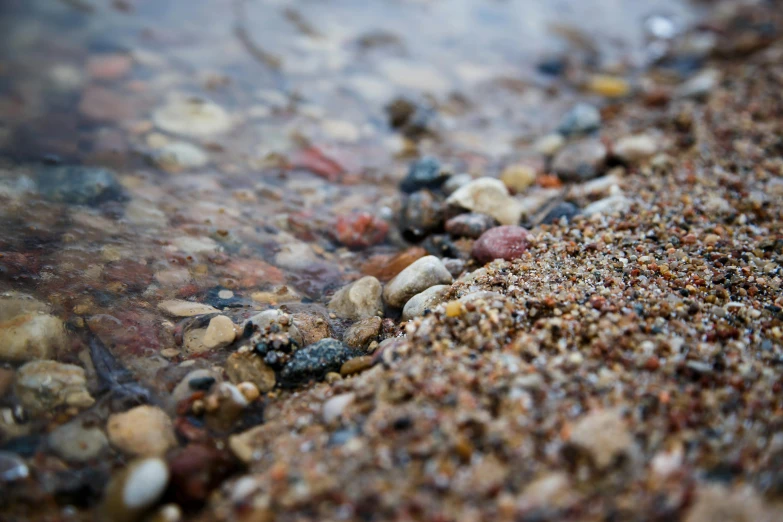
(414, 120)
(421, 215)
(424, 173)
(561, 210)
(201, 383)
(313, 362)
(469, 225)
(583, 118)
(552, 66)
(213, 298)
(442, 245)
(78, 185)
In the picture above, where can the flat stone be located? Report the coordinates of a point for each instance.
(220, 332)
(487, 196)
(363, 332)
(581, 160)
(313, 362)
(470, 225)
(180, 308)
(142, 431)
(507, 242)
(248, 367)
(76, 442)
(31, 336)
(191, 116)
(359, 300)
(44, 385)
(420, 275)
(426, 300)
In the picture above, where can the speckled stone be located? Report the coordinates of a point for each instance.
(313, 362)
(508, 242)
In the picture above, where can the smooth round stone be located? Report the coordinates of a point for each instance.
(135, 489)
(426, 300)
(469, 225)
(414, 279)
(425, 173)
(635, 148)
(506, 242)
(142, 431)
(31, 336)
(191, 116)
(359, 300)
(44, 385)
(220, 332)
(583, 118)
(580, 161)
(75, 442)
(488, 196)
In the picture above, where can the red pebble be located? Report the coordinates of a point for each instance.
(360, 229)
(506, 242)
(314, 160)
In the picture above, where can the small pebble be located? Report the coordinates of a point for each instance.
(359, 300)
(420, 275)
(360, 230)
(220, 332)
(249, 367)
(361, 333)
(191, 116)
(78, 185)
(249, 390)
(453, 309)
(506, 242)
(470, 225)
(135, 489)
(551, 143)
(76, 442)
(356, 365)
(44, 385)
(141, 431)
(421, 215)
(518, 178)
(635, 148)
(426, 300)
(425, 173)
(604, 435)
(608, 86)
(562, 210)
(179, 308)
(31, 336)
(487, 196)
(315, 361)
(583, 118)
(333, 408)
(581, 160)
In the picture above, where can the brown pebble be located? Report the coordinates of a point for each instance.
(356, 365)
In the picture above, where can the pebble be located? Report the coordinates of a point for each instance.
(421, 215)
(425, 173)
(249, 390)
(359, 300)
(180, 308)
(385, 267)
(13, 304)
(282, 322)
(141, 431)
(42, 386)
(548, 145)
(6, 380)
(603, 435)
(454, 182)
(224, 405)
(185, 389)
(77, 185)
(635, 148)
(609, 205)
(453, 309)
(249, 367)
(581, 160)
(356, 365)
(420, 275)
(179, 156)
(700, 85)
(470, 225)
(220, 332)
(135, 489)
(583, 118)
(191, 116)
(426, 300)
(562, 210)
(517, 178)
(363, 332)
(608, 86)
(31, 336)
(77, 442)
(360, 230)
(506, 242)
(313, 327)
(334, 407)
(12, 467)
(488, 196)
(193, 341)
(313, 362)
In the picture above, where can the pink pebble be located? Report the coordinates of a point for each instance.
(505, 242)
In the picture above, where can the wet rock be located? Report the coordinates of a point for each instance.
(12, 467)
(359, 300)
(193, 341)
(135, 489)
(313, 362)
(360, 230)
(470, 225)
(506, 242)
(191, 116)
(426, 300)
(385, 267)
(363, 332)
(179, 308)
(77, 442)
(220, 332)
(635, 148)
(561, 210)
(249, 367)
(132, 275)
(313, 327)
(275, 323)
(356, 365)
(13, 304)
(603, 435)
(44, 385)
(420, 275)
(454, 182)
(425, 173)
(581, 160)
(179, 156)
(610, 205)
(421, 215)
(583, 118)
(517, 178)
(197, 380)
(487, 196)
(31, 336)
(77, 185)
(334, 407)
(142, 431)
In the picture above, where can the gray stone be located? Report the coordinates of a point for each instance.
(76, 442)
(359, 300)
(469, 225)
(583, 118)
(581, 160)
(77, 185)
(426, 300)
(414, 279)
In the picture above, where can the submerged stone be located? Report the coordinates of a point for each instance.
(77, 185)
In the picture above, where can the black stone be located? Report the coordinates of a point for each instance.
(424, 173)
(313, 362)
(421, 215)
(77, 185)
(561, 210)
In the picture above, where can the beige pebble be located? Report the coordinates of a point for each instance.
(220, 332)
(142, 431)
